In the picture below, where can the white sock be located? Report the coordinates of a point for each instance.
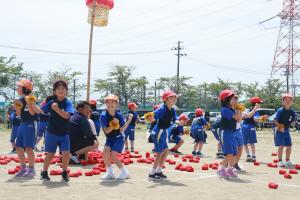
(123, 170)
(152, 171)
(110, 170)
(158, 170)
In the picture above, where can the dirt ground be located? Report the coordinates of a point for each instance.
(250, 184)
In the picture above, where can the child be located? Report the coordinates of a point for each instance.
(16, 121)
(42, 126)
(113, 125)
(129, 132)
(215, 129)
(176, 132)
(229, 120)
(197, 132)
(249, 128)
(163, 117)
(27, 109)
(151, 126)
(60, 109)
(95, 116)
(284, 118)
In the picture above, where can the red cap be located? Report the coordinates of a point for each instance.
(256, 100)
(93, 102)
(156, 107)
(26, 84)
(287, 95)
(183, 117)
(167, 94)
(199, 112)
(226, 93)
(132, 105)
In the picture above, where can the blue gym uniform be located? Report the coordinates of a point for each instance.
(95, 116)
(114, 139)
(249, 129)
(197, 129)
(175, 133)
(42, 125)
(163, 117)
(129, 132)
(285, 117)
(228, 127)
(16, 121)
(57, 129)
(27, 130)
(215, 129)
(239, 137)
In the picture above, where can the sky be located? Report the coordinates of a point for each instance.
(222, 38)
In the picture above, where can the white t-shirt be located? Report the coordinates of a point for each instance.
(93, 128)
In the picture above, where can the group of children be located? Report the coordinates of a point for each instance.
(55, 113)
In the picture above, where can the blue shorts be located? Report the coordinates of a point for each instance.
(249, 134)
(42, 127)
(174, 139)
(239, 138)
(52, 141)
(97, 126)
(116, 144)
(129, 132)
(216, 133)
(198, 134)
(283, 138)
(229, 145)
(14, 133)
(159, 138)
(26, 135)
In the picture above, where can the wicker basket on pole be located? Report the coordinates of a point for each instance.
(101, 12)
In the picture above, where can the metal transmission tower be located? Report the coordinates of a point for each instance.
(287, 53)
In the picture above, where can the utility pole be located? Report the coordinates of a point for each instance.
(178, 54)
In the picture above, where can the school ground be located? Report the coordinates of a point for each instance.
(201, 184)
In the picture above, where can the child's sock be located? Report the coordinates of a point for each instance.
(152, 171)
(110, 170)
(123, 170)
(158, 170)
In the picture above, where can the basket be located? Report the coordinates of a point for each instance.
(101, 15)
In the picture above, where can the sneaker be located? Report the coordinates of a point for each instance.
(36, 149)
(194, 153)
(220, 155)
(45, 176)
(132, 149)
(172, 150)
(75, 160)
(161, 175)
(253, 158)
(231, 173)
(153, 177)
(65, 176)
(249, 159)
(237, 167)
(13, 151)
(21, 172)
(281, 164)
(126, 149)
(29, 173)
(43, 148)
(222, 173)
(123, 176)
(107, 177)
(289, 164)
(178, 152)
(201, 155)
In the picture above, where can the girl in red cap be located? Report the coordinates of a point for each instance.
(229, 118)
(250, 118)
(26, 108)
(163, 117)
(285, 116)
(129, 132)
(197, 132)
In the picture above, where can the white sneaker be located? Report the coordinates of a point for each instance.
(281, 164)
(107, 177)
(123, 176)
(289, 164)
(75, 159)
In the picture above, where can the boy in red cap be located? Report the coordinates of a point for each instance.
(129, 132)
(197, 132)
(27, 109)
(163, 117)
(285, 116)
(250, 118)
(230, 116)
(176, 131)
(113, 125)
